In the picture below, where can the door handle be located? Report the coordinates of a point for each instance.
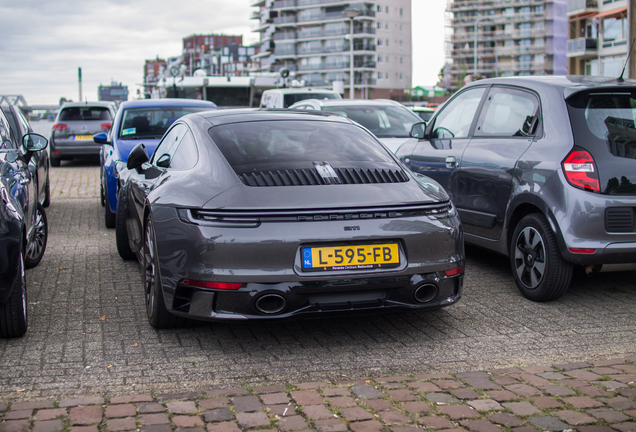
(450, 162)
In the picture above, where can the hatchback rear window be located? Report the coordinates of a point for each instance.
(281, 145)
(85, 113)
(607, 118)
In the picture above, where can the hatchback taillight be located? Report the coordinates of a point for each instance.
(106, 126)
(59, 126)
(580, 170)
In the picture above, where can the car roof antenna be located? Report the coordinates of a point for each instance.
(620, 79)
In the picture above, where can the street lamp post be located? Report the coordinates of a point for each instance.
(351, 14)
(477, 21)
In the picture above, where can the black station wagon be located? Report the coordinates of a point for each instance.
(541, 169)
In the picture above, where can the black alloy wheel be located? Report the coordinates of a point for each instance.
(13, 314)
(158, 315)
(539, 270)
(121, 232)
(109, 217)
(36, 247)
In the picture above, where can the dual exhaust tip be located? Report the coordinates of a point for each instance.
(271, 303)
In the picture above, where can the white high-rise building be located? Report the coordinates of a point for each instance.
(507, 37)
(311, 39)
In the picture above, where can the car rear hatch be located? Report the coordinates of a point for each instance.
(605, 138)
(81, 123)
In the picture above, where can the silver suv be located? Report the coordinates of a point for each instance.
(73, 130)
(541, 169)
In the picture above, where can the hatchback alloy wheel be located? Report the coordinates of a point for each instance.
(530, 257)
(539, 269)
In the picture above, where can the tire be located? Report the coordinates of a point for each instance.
(121, 233)
(109, 216)
(158, 315)
(13, 314)
(47, 193)
(35, 249)
(55, 162)
(539, 270)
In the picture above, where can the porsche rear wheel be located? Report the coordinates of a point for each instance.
(13, 314)
(158, 315)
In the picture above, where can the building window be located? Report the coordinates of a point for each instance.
(379, 25)
(379, 9)
(401, 58)
(386, 26)
(386, 75)
(387, 59)
(400, 28)
(387, 42)
(379, 42)
(379, 75)
(401, 46)
(386, 9)
(400, 11)
(401, 77)
(379, 59)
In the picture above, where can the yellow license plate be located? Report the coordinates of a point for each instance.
(352, 257)
(83, 137)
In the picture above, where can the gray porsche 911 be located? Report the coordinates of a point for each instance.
(265, 214)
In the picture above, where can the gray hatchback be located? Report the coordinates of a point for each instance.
(541, 169)
(73, 130)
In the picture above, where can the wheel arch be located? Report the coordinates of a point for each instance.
(526, 205)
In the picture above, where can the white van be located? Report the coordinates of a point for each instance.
(284, 97)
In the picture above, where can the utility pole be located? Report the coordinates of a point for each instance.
(79, 76)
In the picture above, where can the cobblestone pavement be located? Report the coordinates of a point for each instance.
(587, 397)
(89, 336)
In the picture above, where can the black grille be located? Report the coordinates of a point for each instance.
(619, 219)
(310, 177)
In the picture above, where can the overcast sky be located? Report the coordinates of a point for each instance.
(43, 42)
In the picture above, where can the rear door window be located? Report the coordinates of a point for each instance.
(508, 112)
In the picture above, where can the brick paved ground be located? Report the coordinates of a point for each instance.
(588, 397)
(89, 337)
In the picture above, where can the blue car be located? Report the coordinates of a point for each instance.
(141, 121)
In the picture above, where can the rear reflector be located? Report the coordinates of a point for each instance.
(106, 126)
(453, 272)
(580, 171)
(582, 251)
(210, 285)
(59, 126)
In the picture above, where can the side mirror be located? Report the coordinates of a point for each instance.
(137, 157)
(101, 138)
(163, 161)
(418, 130)
(33, 142)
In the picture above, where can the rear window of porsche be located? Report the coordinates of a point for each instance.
(299, 146)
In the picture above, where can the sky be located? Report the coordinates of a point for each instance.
(44, 42)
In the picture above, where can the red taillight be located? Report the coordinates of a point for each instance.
(580, 170)
(582, 251)
(106, 126)
(59, 126)
(453, 272)
(210, 285)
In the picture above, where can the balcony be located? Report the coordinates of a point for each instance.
(577, 7)
(285, 20)
(284, 4)
(333, 16)
(582, 47)
(284, 36)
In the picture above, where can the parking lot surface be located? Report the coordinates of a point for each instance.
(89, 334)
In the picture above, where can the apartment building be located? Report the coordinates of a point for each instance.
(311, 38)
(492, 38)
(598, 36)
